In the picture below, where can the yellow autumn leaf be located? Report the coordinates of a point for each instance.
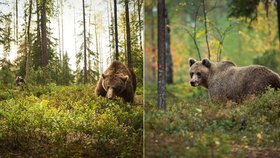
(214, 43)
(217, 142)
(200, 33)
(44, 102)
(259, 135)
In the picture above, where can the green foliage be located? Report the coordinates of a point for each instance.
(199, 128)
(244, 8)
(6, 74)
(175, 92)
(37, 71)
(269, 59)
(66, 76)
(232, 36)
(40, 76)
(68, 121)
(6, 33)
(93, 63)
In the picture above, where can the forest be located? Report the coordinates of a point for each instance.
(181, 120)
(52, 54)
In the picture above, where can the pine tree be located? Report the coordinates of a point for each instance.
(7, 34)
(116, 31)
(66, 76)
(6, 73)
(128, 41)
(85, 44)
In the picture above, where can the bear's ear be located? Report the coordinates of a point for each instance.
(103, 76)
(206, 63)
(191, 61)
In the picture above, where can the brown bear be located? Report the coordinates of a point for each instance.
(225, 81)
(19, 81)
(117, 80)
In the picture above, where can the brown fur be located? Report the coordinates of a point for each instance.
(225, 81)
(117, 80)
(19, 81)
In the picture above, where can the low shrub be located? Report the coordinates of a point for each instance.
(197, 127)
(69, 121)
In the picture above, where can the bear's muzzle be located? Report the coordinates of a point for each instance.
(110, 94)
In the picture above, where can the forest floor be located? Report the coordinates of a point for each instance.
(68, 121)
(193, 126)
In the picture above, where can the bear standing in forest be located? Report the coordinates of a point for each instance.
(225, 81)
(19, 81)
(117, 80)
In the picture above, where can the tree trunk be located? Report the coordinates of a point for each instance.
(27, 64)
(58, 23)
(17, 22)
(153, 46)
(98, 56)
(96, 44)
(38, 22)
(37, 57)
(116, 31)
(278, 21)
(75, 38)
(161, 56)
(169, 63)
(85, 45)
(139, 6)
(89, 45)
(109, 32)
(45, 53)
(62, 30)
(100, 50)
(128, 41)
(112, 56)
(125, 45)
(206, 29)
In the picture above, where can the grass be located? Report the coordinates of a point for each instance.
(68, 121)
(193, 126)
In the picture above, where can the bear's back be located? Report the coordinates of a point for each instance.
(235, 83)
(117, 68)
(224, 65)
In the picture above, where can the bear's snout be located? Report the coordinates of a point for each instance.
(110, 97)
(110, 94)
(193, 83)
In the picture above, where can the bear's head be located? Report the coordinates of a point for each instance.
(114, 85)
(199, 72)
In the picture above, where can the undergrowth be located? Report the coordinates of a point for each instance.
(68, 121)
(193, 126)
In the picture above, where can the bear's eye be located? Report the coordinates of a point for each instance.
(191, 74)
(198, 74)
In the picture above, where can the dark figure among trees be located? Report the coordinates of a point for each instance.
(19, 81)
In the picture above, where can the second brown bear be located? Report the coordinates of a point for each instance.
(117, 80)
(225, 81)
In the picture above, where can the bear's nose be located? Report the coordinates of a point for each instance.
(193, 83)
(110, 93)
